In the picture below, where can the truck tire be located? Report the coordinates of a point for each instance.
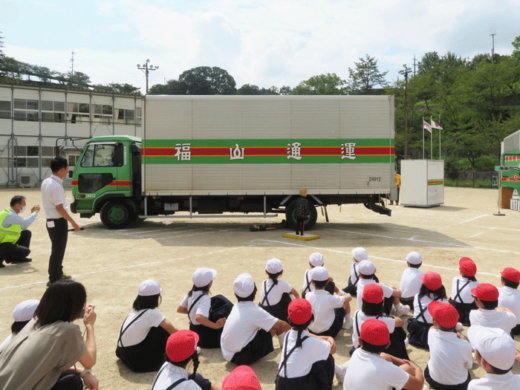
(116, 214)
(291, 220)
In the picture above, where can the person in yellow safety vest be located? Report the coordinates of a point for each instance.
(398, 185)
(15, 239)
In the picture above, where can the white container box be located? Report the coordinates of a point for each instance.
(422, 183)
(514, 204)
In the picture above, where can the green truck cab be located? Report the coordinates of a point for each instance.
(107, 180)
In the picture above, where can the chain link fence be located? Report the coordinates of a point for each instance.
(471, 179)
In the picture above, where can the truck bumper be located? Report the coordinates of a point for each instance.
(73, 207)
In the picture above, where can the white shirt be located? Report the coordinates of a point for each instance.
(410, 282)
(387, 291)
(450, 357)
(275, 295)
(510, 298)
(466, 292)
(242, 326)
(425, 301)
(354, 273)
(169, 374)
(360, 317)
(301, 360)
(323, 306)
(53, 195)
(493, 319)
(507, 381)
(6, 342)
(138, 331)
(307, 281)
(370, 371)
(201, 307)
(14, 219)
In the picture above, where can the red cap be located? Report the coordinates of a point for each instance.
(241, 378)
(432, 280)
(300, 311)
(467, 266)
(181, 345)
(375, 332)
(373, 293)
(485, 292)
(444, 314)
(511, 274)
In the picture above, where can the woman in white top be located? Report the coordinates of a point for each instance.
(373, 307)
(181, 350)
(461, 297)
(275, 296)
(144, 333)
(421, 322)
(207, 315)
(22, 314)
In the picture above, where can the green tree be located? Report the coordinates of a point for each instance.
(248, 89)
(365, 76)
(78, 79)
(428, 62)
(172, 87)
(44, 73)
(2, 55)
(285, 90)
(323, 84)
(205, 80)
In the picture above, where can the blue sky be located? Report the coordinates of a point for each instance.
(269, 42)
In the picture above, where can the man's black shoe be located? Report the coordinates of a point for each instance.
(24, 260)
(2, 265)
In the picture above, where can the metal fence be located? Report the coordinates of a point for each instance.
(471, 179)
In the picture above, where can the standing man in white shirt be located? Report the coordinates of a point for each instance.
(57, 216)
(15, 238)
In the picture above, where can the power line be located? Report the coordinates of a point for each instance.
(146, 69)
(72, 63)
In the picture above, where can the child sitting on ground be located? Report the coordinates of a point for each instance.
(461, 297)
(317, 260)
(22, 314)
(358, 254)
(509, 295)
(411, 279)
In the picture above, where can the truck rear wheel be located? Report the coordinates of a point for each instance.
(116, 214)
(291, 219)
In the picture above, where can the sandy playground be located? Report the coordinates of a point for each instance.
(112, 263)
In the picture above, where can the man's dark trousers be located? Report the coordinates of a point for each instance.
(58, 235)
(16, 252)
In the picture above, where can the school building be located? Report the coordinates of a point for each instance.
(35, 119)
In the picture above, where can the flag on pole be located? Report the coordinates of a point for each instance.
(442, 125)
(435, 125)
(427, 126)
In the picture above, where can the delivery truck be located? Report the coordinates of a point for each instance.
(201, 156)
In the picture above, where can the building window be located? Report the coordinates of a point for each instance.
(102, 113)
(5, 109)
(53, 111)
(26, 110)
(124, 117)
(28, 156)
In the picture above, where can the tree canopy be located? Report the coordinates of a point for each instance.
(365, 76)
(205, 80)
(323, 84)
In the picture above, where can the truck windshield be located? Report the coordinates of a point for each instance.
(101, 156)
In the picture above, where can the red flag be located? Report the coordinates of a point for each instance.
(427, 126)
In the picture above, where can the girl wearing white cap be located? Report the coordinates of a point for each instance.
(22, 314)
(207, 315)
(317, 260)
(358, 254)
(143, 335)
(275, 295)
(411, 280)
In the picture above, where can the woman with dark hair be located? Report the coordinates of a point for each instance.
(373, 307)
(207, 315)
(144, 333)
(419, 325)
(461, 298)
(22, 314)
(181, 350)
(40, 357)
(307, 362)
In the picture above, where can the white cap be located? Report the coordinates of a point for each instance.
(149, 287)
(366, 267)
(24, 311)
(274, 266)
(319, 274)
(414, 258)
(316, 259)
(203, 276)
(359, 254)
(494, 345)
(244, 285)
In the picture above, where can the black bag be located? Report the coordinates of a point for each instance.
(220, 307)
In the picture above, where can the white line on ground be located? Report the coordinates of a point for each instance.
(475, 235)
(472, 219)
(493, 228)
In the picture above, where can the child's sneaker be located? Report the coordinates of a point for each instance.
(341, 371)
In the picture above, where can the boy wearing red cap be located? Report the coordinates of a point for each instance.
(488, 313)
(450, 355)
(307, 362)
(181, 349)
(241, 378)
(509, 295)
(461, 297)
(369, 368)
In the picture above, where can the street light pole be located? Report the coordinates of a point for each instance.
(405, 73)
(146, 68)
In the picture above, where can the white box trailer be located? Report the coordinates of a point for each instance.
(422, 183)
(246, 154)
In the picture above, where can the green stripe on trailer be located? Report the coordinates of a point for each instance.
(436, 182)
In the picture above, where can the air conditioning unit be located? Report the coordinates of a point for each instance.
(27, 180)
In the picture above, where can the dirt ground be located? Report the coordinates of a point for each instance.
(112, 263)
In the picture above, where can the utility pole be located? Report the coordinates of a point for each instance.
(414, 65)
(493, 33)
(146, 69)
(72, 64)
(405, 73)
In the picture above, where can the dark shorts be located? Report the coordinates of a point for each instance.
(438, 386)
(320, 377)
(408, 302)
(464, 309)
(148, 355)
(339, 316)
(257, 348)
(280, 309)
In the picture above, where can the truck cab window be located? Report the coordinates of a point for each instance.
(103, 156)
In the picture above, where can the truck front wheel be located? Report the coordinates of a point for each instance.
(116, 214)
(291, 219)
